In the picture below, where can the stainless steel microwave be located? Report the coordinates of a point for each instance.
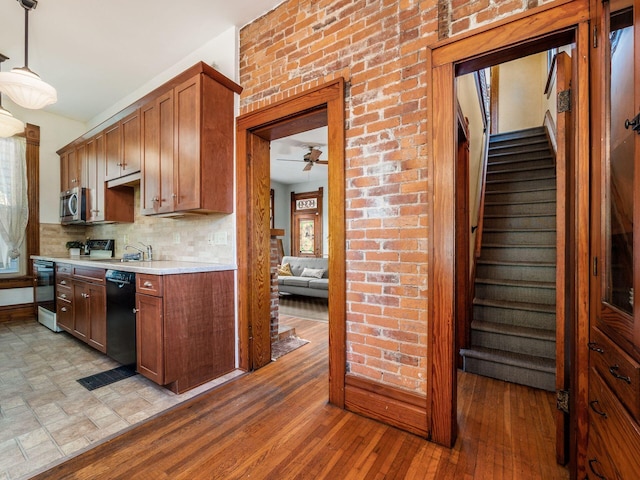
(73, 206)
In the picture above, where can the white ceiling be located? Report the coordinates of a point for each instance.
(96, 52)
(287, 154)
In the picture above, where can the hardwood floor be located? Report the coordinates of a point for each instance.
(276, 424)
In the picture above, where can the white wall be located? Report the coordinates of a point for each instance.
(282, 207)
(470, 105)
(55, 132)
(221, 52)
(522, 102)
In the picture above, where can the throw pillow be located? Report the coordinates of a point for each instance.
(285, 270)
(313, 272)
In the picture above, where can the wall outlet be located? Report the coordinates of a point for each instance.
(220, 238)
(176, 237)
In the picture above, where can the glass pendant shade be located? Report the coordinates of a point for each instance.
(26, 88)
(9, 125)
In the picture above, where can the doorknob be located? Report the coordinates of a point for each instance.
(634, 124)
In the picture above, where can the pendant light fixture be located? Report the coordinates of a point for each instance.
(9, 125)
(22, 85)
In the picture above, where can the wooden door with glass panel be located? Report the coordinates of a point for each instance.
(306, 224)
(613, 449)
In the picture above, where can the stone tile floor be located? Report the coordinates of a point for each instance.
(47, 416)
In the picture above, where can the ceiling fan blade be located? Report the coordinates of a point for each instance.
(307, 167)
(314, 154)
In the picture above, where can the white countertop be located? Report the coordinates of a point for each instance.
(155, 267)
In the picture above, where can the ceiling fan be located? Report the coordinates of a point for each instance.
(311, 158)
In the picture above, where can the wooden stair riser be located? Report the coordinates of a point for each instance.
(512, 254)
(516, 272)
(519, 222)
(534, 144)
(510, 343)
(518, 318)
(509, 373)
(541, 295)
(527, 134)
(521, 208)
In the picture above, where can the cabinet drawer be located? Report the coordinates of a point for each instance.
(63, 281)
(64, 314)
(88, 274)
(617, 433)
(63, 268)
(618, 369)
(64, 292)
(149, 284)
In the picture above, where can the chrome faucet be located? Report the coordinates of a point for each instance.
(149, 251)
(141, 257)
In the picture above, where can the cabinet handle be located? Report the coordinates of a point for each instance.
(593, 404)
(135, 310)
(594, 346)
(85, 295)
(63, 282)
(62, 295)
(147, 284)
(118, 164)
(591, 463)
(614, 371)
(64, 309)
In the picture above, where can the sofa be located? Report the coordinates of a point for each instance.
(308, 276)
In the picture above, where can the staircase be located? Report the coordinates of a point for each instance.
(513, 324)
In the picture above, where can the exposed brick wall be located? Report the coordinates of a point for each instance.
(379, 47)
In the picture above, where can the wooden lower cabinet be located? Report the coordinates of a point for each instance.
(81, 304)
(185, 328)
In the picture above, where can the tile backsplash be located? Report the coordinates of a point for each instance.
(196, 238)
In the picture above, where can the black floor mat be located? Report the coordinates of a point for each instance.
(107, 378)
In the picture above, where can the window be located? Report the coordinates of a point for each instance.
(14, 206)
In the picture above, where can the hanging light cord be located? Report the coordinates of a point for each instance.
(26, 38)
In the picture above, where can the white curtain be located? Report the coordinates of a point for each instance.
(14, 207)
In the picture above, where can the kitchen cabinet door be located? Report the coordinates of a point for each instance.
(113, 151)
(156, 184)
(149, 337)
(81, 308)
(122, 147)
(69, 171)
(97, 303)
(187, 187)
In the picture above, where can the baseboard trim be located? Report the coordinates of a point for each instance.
(405, 410)
(11, 312)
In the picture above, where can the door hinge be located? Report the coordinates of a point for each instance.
(595, 36)
(564, 101)
(562, 400)
(595, 266)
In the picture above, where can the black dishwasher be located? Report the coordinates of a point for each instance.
(121, 317)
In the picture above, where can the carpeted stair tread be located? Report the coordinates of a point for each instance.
(522, 190)
(532, 202)
(514, 330)
(513, 180)
(516, 263)
(521, 215)
(518, 135)
(522, 245)
(534, 307)
(519, 229)
(523, 169)
(521, 360)
(516, 283)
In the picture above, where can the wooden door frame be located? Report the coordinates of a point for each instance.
(316, 107)
(506, 39)
(317, 217)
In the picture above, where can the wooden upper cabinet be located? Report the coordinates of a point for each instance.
(122, 147)
(70, 172)
(187, 147)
